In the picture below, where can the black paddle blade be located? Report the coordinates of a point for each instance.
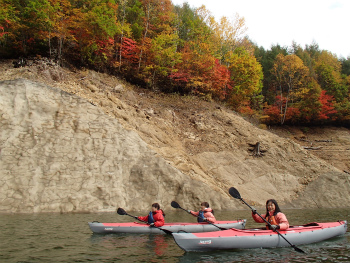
(121, 211)
(298, 249)
(234, 193)
(175, 204)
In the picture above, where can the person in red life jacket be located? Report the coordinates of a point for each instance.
(155, 217)
(205, 214)
(273, 215)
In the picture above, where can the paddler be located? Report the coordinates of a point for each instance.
(273, 215)
(205, 214)
(155, 216)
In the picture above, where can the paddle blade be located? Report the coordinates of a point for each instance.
(298, 249)
(175, 204)
(234, 193)
(121, 211)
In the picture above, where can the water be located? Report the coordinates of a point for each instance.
(47, 238)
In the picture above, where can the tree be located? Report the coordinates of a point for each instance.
(290, 75)
(25, 22)
(8, 25)
(228, 35)
(331, 81)
(327, 108)
(345, 66)
(164, 52)
(246, 75)
(124, 27)
(267, 59)
(62, 19)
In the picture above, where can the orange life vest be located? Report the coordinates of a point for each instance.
(271, 220)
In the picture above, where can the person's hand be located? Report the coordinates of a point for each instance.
(274, 227)
(151, 224)
(253, 210)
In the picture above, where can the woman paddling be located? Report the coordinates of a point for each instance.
(273, 215)
(205, 214)
(155, 217)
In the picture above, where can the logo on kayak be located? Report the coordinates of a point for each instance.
(205, 242)
(108, 228)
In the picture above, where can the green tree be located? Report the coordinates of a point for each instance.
(267, 58)
(134, 17)
(345, 66)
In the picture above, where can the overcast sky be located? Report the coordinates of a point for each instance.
(327, 22)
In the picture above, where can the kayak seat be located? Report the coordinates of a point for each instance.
(312, 224)
(306, 225)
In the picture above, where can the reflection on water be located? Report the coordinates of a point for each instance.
(67, 238)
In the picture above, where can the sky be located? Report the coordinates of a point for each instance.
(271, 22)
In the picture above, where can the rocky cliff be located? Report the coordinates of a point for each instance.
(61, 153)
(98, 145)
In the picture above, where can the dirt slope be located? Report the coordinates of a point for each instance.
(207, 141)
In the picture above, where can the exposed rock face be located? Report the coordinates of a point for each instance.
(60, 153)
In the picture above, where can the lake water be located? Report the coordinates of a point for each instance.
(37, 238)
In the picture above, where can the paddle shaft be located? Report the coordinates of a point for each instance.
(267, 222)
(166, 231)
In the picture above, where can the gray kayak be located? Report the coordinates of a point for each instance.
(259, 238)
(142, 228)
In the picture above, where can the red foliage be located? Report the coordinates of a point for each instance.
(180, 77)
(3, 31)
(30, 40)
(327, 108)
(130, 50)
(275, 114)
(2, 28)
(105, 47)
(220, 80)
(246, 110)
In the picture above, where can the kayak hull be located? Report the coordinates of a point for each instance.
(259, 238)
(141, 228)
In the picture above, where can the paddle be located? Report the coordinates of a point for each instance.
(176, 205)
(122, 212)
(234, 193)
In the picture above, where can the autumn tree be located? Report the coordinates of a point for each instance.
(290, 75)
(246, 75)
(228, 35)
(164, 49)
(25, 21)
(328, 70)
(310, 104)
(8, 26)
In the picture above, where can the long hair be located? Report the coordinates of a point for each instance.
(206, 204)
(157, 206)
(277, 208)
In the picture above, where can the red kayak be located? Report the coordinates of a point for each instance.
(142, 228)
(259, 238)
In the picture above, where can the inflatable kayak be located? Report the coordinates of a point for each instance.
(259, 238)
(141, 228)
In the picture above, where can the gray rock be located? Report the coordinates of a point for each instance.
(59, 153)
